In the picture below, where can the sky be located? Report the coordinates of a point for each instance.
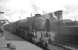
(20, 9)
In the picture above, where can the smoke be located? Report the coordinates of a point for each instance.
(40, 6)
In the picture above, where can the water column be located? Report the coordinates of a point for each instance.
(58, 15)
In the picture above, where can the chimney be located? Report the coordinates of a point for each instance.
(37, 15)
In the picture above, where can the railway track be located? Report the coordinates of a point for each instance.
(63, 47)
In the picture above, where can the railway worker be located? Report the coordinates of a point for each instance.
(38, 36)
(52, 37)
(44, 39)
(34, 36)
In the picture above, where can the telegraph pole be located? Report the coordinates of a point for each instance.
(2, 34)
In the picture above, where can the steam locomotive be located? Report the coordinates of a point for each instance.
(46, 29)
